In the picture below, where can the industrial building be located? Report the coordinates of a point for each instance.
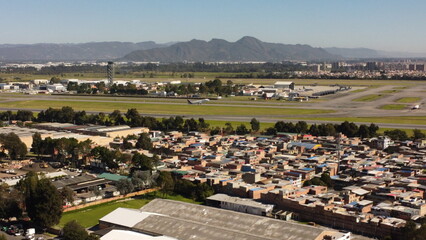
(94, 130)
(287, 85)
(186, 221)
(26, 135)
(244, 205)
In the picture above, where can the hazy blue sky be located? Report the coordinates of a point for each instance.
(397, 25)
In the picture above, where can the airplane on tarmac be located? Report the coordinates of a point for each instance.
(417, 106)
(198, 101)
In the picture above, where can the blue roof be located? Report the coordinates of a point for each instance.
(353, 203)
(295, 173)
(406, 171)
(322, 165)
(382, 169)
(225, 180)
(192, 159)
(307, 169)
(196, 145)
(301, 144)
(255, 189)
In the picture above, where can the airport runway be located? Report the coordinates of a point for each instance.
(259, 118)
(342, 103)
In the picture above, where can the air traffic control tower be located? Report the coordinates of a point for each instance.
(110, 73)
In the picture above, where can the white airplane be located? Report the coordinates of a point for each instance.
(415, 107)
(198, 101)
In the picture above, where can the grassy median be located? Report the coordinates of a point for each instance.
(178, 109)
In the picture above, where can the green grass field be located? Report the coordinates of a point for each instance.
(408, 131)
(90, 216)
(389, 91)
(163, 109)
(420, 120)
(393, 106)
(235, 124)
(369, 98)
(408, 100)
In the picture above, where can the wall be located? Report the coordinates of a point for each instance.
(110, 199)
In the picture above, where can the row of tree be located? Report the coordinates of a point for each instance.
(349, 129)
(170, 183)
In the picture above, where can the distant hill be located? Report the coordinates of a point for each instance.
(71, 52)
(245, 49)
(354, 52)
(359, 53)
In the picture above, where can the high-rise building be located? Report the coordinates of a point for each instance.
(420, 67)
(372, 66)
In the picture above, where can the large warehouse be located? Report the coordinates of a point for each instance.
(187, 221)
(26, 135)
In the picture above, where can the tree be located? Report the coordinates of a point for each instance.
(408, 231)
(124, 186)
(363, 131)
(24, 115)
(242, 130)
(417, 134)
(255, 125)
(301, 127)
(144, 142)
(42, 200)
(74, 231)
(373, 129)
(106, 156)
(396, 134)
(204, 191)
(165, 182)
(228, 128)
(67, 194)
(143, 162)
(325, 178)
(54, 80)
(9, 203)
(202, 125)
(13, 144)
(141, 179)
(37, 145)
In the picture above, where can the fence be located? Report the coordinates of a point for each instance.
(142, 192)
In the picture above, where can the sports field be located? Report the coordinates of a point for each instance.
(90, 216)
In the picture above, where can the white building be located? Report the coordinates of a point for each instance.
(57, 87)
(287, 85)
(244, 205)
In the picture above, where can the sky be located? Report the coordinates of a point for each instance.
(392, 25)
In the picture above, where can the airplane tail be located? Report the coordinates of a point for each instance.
(189, 101)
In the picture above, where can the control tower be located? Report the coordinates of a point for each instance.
(110, 73)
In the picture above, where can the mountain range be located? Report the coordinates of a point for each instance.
(244, 50)
(72, 51)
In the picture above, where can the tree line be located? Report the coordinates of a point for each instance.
(349, 129)
(133, 118)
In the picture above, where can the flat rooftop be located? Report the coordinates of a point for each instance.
(190, 221)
